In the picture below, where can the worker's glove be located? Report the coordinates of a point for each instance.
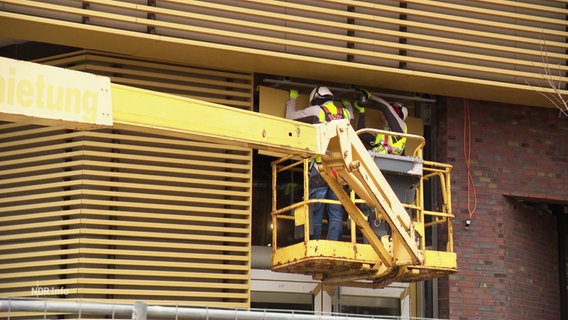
(294, 94)
(363, 97)
(359, 108)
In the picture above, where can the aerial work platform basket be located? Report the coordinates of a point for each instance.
(364, 258)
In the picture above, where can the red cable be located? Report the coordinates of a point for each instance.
(467, 152)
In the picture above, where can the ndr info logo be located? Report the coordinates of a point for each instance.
(44, 291)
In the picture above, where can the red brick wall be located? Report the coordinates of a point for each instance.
(508, 259)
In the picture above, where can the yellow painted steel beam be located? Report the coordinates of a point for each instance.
(173, 115)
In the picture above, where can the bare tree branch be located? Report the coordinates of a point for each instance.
(554, 82)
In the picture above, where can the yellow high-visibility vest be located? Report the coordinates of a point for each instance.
(329, 112)
(390, 143)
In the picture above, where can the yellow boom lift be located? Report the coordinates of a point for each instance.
(382, 181)
(375, 261)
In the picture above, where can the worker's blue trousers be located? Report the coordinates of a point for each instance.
(334, 214)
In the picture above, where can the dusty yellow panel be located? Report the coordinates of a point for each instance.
(272, 101)
(440, 259)
(305, 251)
(415, 126)
(373, 119)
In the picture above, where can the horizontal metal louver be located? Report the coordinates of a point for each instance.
(222, 87)
(123, 215)
(485, 40)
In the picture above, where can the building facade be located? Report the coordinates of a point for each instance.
(100, 213)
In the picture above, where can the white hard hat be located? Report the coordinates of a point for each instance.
(320, 95)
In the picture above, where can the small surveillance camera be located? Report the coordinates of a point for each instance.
(467, 223)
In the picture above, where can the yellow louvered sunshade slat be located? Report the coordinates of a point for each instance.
(123, 214)
(226, 88)
(458, 48)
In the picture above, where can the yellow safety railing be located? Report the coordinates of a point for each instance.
(424, 220)
(432, 171)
